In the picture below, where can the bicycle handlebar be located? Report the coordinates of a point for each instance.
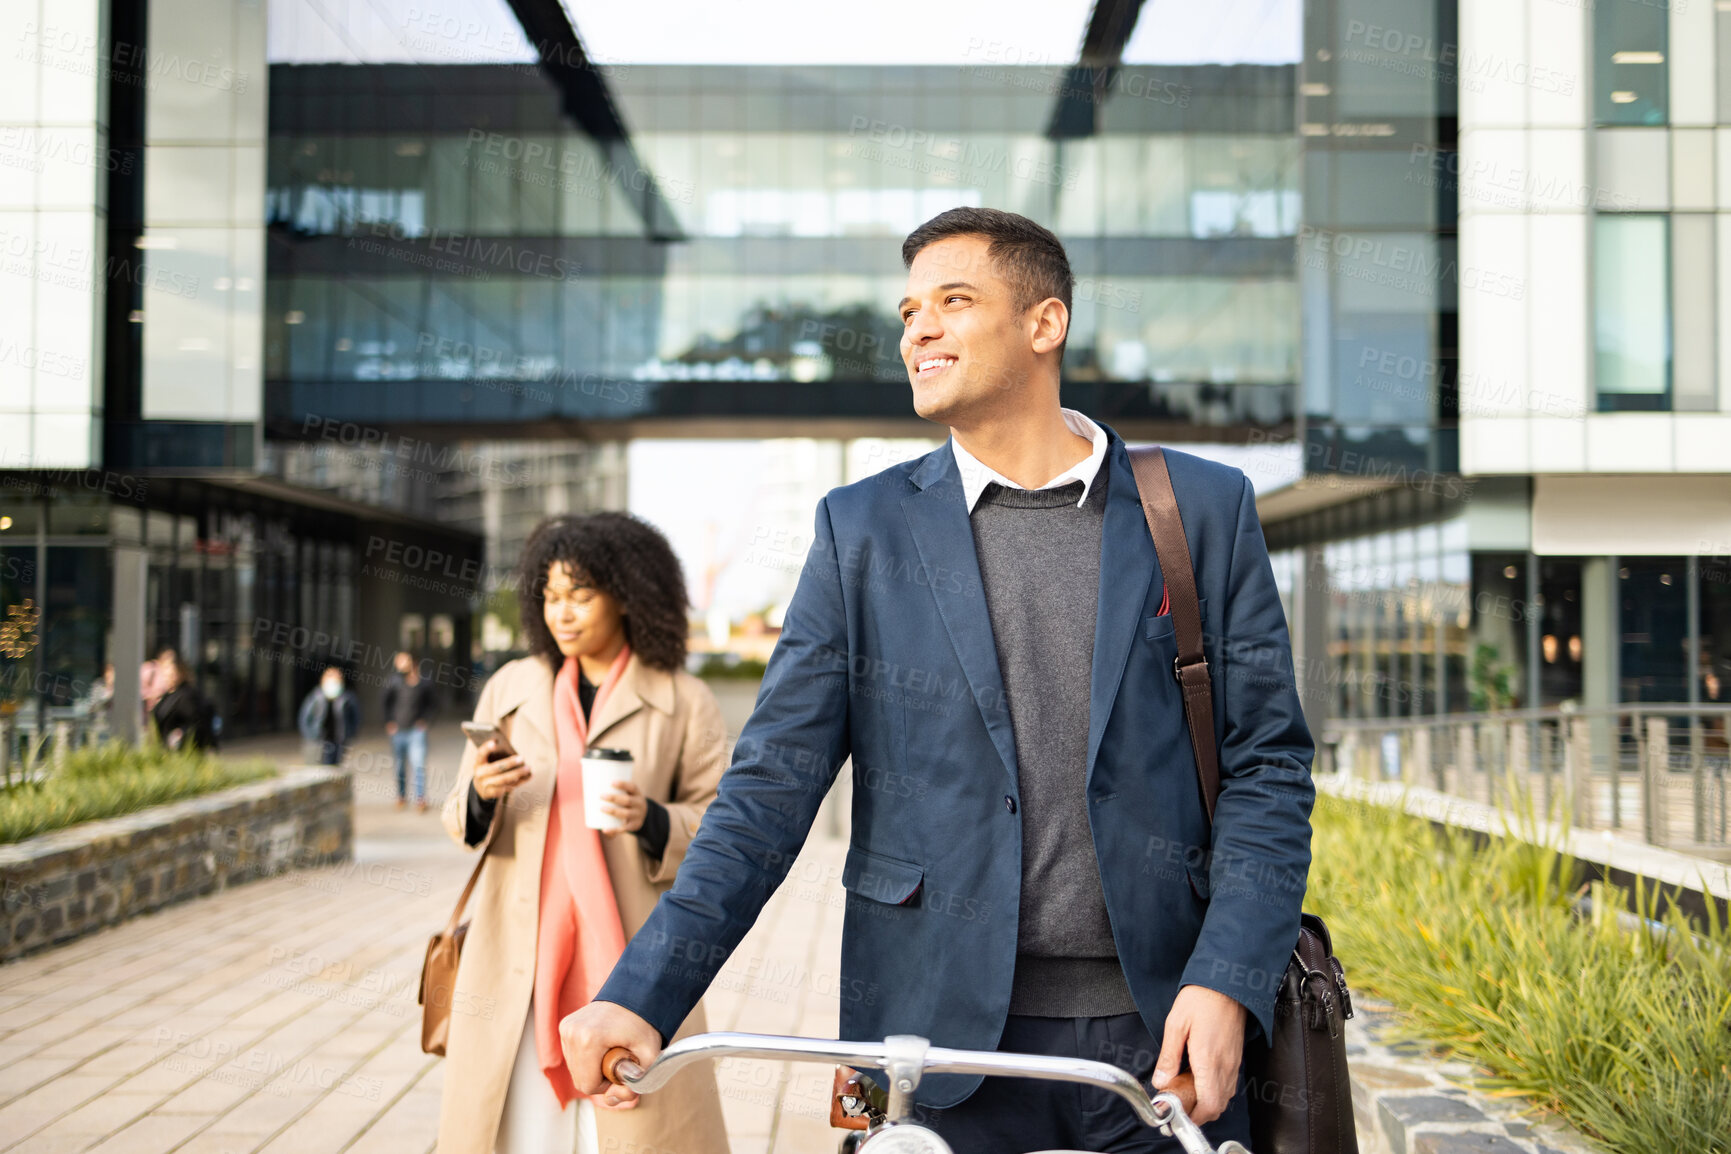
(1162, 1109)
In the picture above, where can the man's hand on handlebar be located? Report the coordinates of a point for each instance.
(1209, 1026)
(588, 1034)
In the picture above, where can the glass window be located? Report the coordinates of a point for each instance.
(1176, 329)
(70, 628)
(1390, 59)
(1339, 628)
(672, 156)
(1632, 311)
(1498, 658)
(449, 179)
(1715, 671)
(1287, 563)
(1243, 186)
(1164, 186)
(1122, 186)
(1378, 189)
(1559, 631)
(538, 177)
(76, 512)
(494, 178)
(1654, 621)
(1631, 79)
(1078, 197)
(583, 187)
(626, 185)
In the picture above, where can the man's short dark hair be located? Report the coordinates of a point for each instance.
(1026, 254)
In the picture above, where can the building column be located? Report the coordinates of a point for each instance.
(1599, 632)
(1532, 612)
(126, 644)
(1601, 638)
(1310, 637)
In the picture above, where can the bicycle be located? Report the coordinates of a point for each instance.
(905, 1058)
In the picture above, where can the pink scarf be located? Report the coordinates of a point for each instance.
(580, 935)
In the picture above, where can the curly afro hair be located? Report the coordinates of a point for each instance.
(624, 557)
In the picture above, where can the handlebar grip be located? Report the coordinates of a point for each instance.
(614, 1059)
(1184, 1086)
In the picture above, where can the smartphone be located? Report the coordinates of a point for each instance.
(481, 734)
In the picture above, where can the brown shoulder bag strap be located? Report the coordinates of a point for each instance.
(469, 886)
(1190, 667)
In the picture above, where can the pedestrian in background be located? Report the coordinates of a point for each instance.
(182, 717)
(409, 708)
(330, 717)
(99, 702)
(603, 606)
(151, 684)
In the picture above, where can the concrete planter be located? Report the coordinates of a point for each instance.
(74, 881)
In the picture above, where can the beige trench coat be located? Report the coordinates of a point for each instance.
(673, 728)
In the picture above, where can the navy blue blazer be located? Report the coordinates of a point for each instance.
(886, 654)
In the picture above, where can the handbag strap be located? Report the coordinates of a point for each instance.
(1190, 667)
(480, 860)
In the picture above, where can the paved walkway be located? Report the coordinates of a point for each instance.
(280, 1016)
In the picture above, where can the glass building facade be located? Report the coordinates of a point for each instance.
(447, 249)
(1419, 624)
(1377, 257)
(256, 589)
(442, 285)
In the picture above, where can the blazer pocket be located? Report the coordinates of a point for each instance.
(882, 879)
(1161, 625)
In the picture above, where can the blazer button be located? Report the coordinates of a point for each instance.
(1009, 803)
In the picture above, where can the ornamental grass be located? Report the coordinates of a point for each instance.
(111, 779)
(1607, 1012)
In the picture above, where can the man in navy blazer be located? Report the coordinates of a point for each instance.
(984, 630)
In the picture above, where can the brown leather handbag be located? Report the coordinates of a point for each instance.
(444, 951)
(1297, 1082)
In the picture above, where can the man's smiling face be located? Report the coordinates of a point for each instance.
(965, 342)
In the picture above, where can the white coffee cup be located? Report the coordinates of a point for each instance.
(602, 770)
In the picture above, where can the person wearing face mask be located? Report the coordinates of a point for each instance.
(330, 716)
(604, 607)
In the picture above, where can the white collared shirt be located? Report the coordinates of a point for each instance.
(976, 474)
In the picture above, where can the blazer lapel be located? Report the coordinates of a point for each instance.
(1128, 570)
(938, 518)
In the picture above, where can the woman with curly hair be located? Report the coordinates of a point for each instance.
(604, 608)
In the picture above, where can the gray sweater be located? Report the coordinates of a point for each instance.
(1039, 559)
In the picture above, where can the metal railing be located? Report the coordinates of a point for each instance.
(1661, 773)
(31, 748)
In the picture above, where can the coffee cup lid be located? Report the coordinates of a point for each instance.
(608, 754)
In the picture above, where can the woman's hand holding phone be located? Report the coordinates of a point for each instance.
(499, 770)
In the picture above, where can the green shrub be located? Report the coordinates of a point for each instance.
(731, 666)
(1622, 1027)
(114, 778)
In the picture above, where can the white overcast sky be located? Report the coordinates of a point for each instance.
(991, 32)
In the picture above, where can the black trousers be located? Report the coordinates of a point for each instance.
(1019, 1115)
